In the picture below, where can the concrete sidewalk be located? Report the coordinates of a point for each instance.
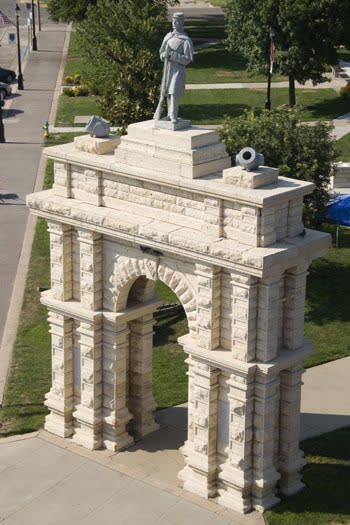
(24, 115)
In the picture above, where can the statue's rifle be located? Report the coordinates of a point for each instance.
(158, 111)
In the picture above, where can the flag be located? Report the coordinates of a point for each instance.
(5, 20)
(272, 54)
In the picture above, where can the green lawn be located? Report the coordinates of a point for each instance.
(343, 54)
(74, 60)
(69, 107)
(211, 106)
(327, 313)
(344, 148)
(327, 477)
(216, 64)
(217, 3)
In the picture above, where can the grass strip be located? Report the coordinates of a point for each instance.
(216, 65)
(344, 148)
(325, 498)
(210, 106)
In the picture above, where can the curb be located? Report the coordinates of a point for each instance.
(11, 324)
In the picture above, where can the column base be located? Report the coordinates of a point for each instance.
(291, 485)
(87, 428)
(233, 500)
(117, 443)
(142, 430)
(56, 424)
(197, 482)
(235, 489)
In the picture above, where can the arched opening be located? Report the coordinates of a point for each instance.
(157, 371)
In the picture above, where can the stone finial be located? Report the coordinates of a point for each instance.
(98, 128)
(249, 159)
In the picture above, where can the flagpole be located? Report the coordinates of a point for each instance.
(272, 54)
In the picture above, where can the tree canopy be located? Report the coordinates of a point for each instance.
(296, 149)
(306, 35)
(120, 45)
(68, 10)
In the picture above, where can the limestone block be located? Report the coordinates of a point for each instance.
(98, 146)
(238, 176)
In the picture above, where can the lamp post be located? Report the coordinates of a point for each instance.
(272, 56)
(20, 76)
(35, 46)
(2, 131)
(39, 15)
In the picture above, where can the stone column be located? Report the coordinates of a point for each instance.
(270, 315)
(208, 306)
(291, 458)
(200, 473)
(244, 315)
(236, 476)
(88, 416)
(295, 289)
(61, 260)
(115, 361)
(141, 400)
(90, 269)
(60, 398)
(265, 421)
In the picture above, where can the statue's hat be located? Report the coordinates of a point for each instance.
(179, 14)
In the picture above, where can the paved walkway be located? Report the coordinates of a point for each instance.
(24, 115)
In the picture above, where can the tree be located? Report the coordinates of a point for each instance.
(120, 44)
(296, 149)
(68, 10)
(306, 35)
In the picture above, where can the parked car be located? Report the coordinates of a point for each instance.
(5, 90)
(7, 75)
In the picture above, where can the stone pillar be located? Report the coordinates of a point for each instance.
(61, 260)
(141, 400)
(60, 398)
(90, 269)
(208, 306)
(236, 476)
(295, 285)
(270, 315)
(115, 361)
(88, 416)
(200, 473)
(244, 315)
(265, 420)
(291, 458)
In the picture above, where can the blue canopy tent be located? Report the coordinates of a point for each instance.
(339, 211)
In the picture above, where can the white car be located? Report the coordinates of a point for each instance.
(5, 90)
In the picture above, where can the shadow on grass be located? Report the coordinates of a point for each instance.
(327, 478)
(328, 292)
(165, 331)
(214, 113)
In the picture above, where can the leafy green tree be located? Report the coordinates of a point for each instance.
(297, 150)
(68, 10)
(120, 45)
(306, 35)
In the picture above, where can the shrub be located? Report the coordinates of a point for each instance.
(80, 91)
(344, 94)
(77, 79)
(68, 92)
(299, 151)
(69, 81)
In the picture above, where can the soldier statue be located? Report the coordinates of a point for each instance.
(176, 52)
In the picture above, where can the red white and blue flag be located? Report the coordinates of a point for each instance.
(272, 54)
(5, 20)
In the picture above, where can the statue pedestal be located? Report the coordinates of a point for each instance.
(188, 153)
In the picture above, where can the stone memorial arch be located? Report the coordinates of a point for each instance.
(163, 204)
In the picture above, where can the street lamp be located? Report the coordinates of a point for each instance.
(39, 16)
(272, 56)
(2, 131)
(35, 47)
(20, 76)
